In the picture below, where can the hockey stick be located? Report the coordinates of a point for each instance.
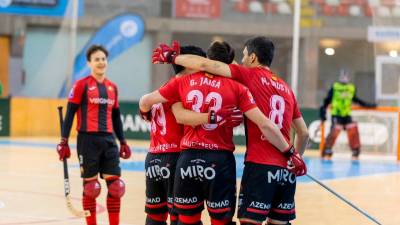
(322, 142)
(67, 189)
(343, 199)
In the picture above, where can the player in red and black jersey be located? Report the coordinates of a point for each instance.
(206, 168)
(269, 178)
(164, 151)
(95, 99)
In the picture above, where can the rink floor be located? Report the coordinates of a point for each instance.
(31, 187)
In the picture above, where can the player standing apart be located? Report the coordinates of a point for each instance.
(341, 96)
(95, 99)
(269, 179)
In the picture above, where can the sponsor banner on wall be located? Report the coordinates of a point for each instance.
(37, 7)
(4, 117)
(383, 33)
(197, 8)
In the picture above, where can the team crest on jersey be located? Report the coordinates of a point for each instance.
(71, 93)
(110, 88)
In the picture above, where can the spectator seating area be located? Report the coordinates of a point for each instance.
(348, 8)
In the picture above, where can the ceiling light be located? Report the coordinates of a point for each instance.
(393, 53)
(329, 51)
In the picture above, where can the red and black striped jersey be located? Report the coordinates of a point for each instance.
(96, 101)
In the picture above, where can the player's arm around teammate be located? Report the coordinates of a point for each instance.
(188, 117)
(95, 98)
(166, 54)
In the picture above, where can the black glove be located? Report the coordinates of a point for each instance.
(322, 113)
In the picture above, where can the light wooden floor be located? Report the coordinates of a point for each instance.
(31, 192)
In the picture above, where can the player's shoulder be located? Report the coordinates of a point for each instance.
(82, 81)
(109, 82)
(233, 82)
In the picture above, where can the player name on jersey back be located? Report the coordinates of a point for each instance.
(277, 85)
(205, 81)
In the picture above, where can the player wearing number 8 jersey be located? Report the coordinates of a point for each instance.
(269, 178)
(206, 167)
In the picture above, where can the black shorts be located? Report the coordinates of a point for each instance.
(98, 153)
(160, 174)
(267, 191)
(342, 120)
(205, 175)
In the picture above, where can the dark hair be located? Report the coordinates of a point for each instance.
(221, 51)
(263, 48)
(188, 49)
(94, 48)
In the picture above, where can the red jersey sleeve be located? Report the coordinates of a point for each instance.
(170, 91)
(296, 110)
(240, 73)
(75, 95)
(246, 100)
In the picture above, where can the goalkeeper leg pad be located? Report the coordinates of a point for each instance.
(353, 137)
(330, 140)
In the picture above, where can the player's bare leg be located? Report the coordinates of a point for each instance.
(91, 190)
(354, 139)
(330, 141)
(116, 189)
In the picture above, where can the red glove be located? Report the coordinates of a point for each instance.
(124, 150)
(166, 54)
(295, 163)
(228, 116)
(146, 116)
(63, 149)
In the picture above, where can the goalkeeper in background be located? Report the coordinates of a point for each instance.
(341, 96)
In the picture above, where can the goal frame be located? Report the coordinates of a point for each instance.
(391, 109)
